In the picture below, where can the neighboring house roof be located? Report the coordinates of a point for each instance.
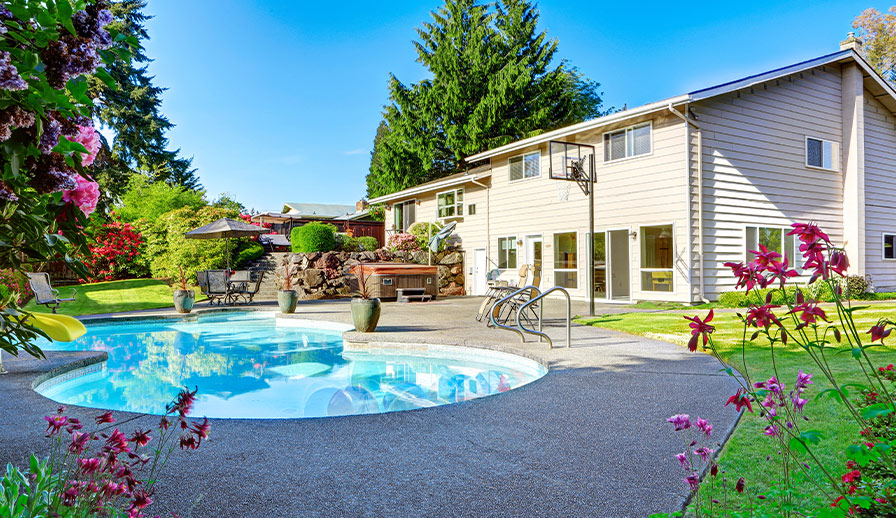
(476, 173)
(878, 86)
(361, 214)
(316, 210)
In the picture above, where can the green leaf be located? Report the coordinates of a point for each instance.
(65, 15)
(877, 410)
(77, 86)
(830, 393)
(856, 308)
(812, 436)
(104, 76)
(797, 446)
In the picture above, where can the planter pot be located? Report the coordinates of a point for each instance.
(365, 314)
(288, 300)
(184, 300)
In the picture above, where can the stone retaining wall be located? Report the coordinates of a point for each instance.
(321, 275)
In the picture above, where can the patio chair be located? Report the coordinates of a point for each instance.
(44, 293)
(498, 289)
(530, 314)
(215, 288)
(246, 290)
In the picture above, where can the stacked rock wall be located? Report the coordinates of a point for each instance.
(320, 275)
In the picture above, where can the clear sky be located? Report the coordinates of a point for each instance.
(279, 100)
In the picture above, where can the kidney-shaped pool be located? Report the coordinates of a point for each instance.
(253, 365)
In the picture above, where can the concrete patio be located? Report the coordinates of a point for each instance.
(588, 439)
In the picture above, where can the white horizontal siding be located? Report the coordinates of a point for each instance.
(880, 191)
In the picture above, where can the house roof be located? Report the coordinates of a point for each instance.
(316, 210)
(476, 173)
(877, 85)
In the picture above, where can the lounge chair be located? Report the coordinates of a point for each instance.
(245, 289)
(44, 293)
(498, 289)
(530, 315)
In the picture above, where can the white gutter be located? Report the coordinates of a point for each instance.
(429, 187)
(577, 128)
(693, 123)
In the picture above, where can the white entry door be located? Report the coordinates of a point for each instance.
(480, 266)
(534, 253)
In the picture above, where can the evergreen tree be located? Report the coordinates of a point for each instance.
(133, 112)
(493, 81)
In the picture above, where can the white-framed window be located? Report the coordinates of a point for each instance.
(404, 215)
(525, 166)
(507, 253)
(471, 209)
(775, 239)
(823, 154)
(566, 260)
(889, 246)
(450, 204)
(628, 142)
(657, 256)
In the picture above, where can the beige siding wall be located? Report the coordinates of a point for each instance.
(880, 186)
(754, 165)
(471, 231)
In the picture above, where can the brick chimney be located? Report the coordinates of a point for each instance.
(851, 42)
(360, 205)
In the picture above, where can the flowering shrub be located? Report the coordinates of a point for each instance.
(403, 242)
(17, 283)
(47, 136)
(423, 231)
(868, 488)
(248, 219)
(112, 252)
(99, 473)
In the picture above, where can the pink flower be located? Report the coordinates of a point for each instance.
(839, 262)
(704, 452)
(740, 399)
(762, 316)
(84, 196)
(879, 332)
(55, 423)
(808, 232)
(104, 418)
(704, 426)
(693, 481)
(809, 313)
(90, 139)
(700, 328)
(741, 485)
(680, 421)
(683, 460)
(79, 442)
(764, 257)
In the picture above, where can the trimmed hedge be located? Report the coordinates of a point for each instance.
(346, 243)
(740, 299)
(368, 243)
(249, 251)
(313, 237)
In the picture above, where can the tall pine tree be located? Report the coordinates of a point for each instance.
(133, 112)
(493, 81)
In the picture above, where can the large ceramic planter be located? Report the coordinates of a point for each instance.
(288, 300)
(365, 314)
(184, 300)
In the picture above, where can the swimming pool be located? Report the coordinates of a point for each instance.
(253, 365)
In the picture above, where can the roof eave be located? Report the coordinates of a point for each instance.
(430, 187)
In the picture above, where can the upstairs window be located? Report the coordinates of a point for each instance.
(525, 166)
(450, 204)
(823, 154)
(628, 142)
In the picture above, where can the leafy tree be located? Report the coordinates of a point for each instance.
(133, 111)
(494, 80)
(878, 32)
(227, 201)
(144, 199)
(171, 249)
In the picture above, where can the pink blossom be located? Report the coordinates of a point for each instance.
(683, 460)
(680, 421)
(90, 139)
(84, 196)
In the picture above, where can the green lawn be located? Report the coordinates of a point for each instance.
(114, 297)
(746, 452)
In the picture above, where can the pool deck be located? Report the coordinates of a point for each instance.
(588, 439)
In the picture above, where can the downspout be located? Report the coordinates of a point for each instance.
(488, 223)
(694, 124)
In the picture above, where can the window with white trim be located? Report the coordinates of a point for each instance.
(822, 153)
(566, 260)
(525, 166)
(889, 246)
(507, 253)
(775, 239)
(404, 215)
(450, 204)
(628, 142)
(657, 250)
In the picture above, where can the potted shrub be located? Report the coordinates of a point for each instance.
(184, 298)
(287, 297)
(365, 308)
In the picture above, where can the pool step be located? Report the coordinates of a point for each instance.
(412, 295)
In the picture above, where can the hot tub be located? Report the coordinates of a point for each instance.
(384, 279)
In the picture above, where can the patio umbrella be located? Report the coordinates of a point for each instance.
(225, 228)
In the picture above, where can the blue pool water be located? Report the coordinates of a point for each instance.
(251, 365)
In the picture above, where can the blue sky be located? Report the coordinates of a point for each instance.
(279, 100)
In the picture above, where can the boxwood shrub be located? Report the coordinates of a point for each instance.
(368, 243)
(313, 237)
(346, 243)
(249, 251)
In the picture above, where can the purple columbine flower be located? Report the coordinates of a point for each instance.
(799, 403)
(693, 481)
(772, 430)
(704, 452)
(803, 380)
(683, 460)
(704, 426)
(680, 421)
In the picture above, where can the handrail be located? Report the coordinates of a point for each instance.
(498, 303)
(540, 333)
